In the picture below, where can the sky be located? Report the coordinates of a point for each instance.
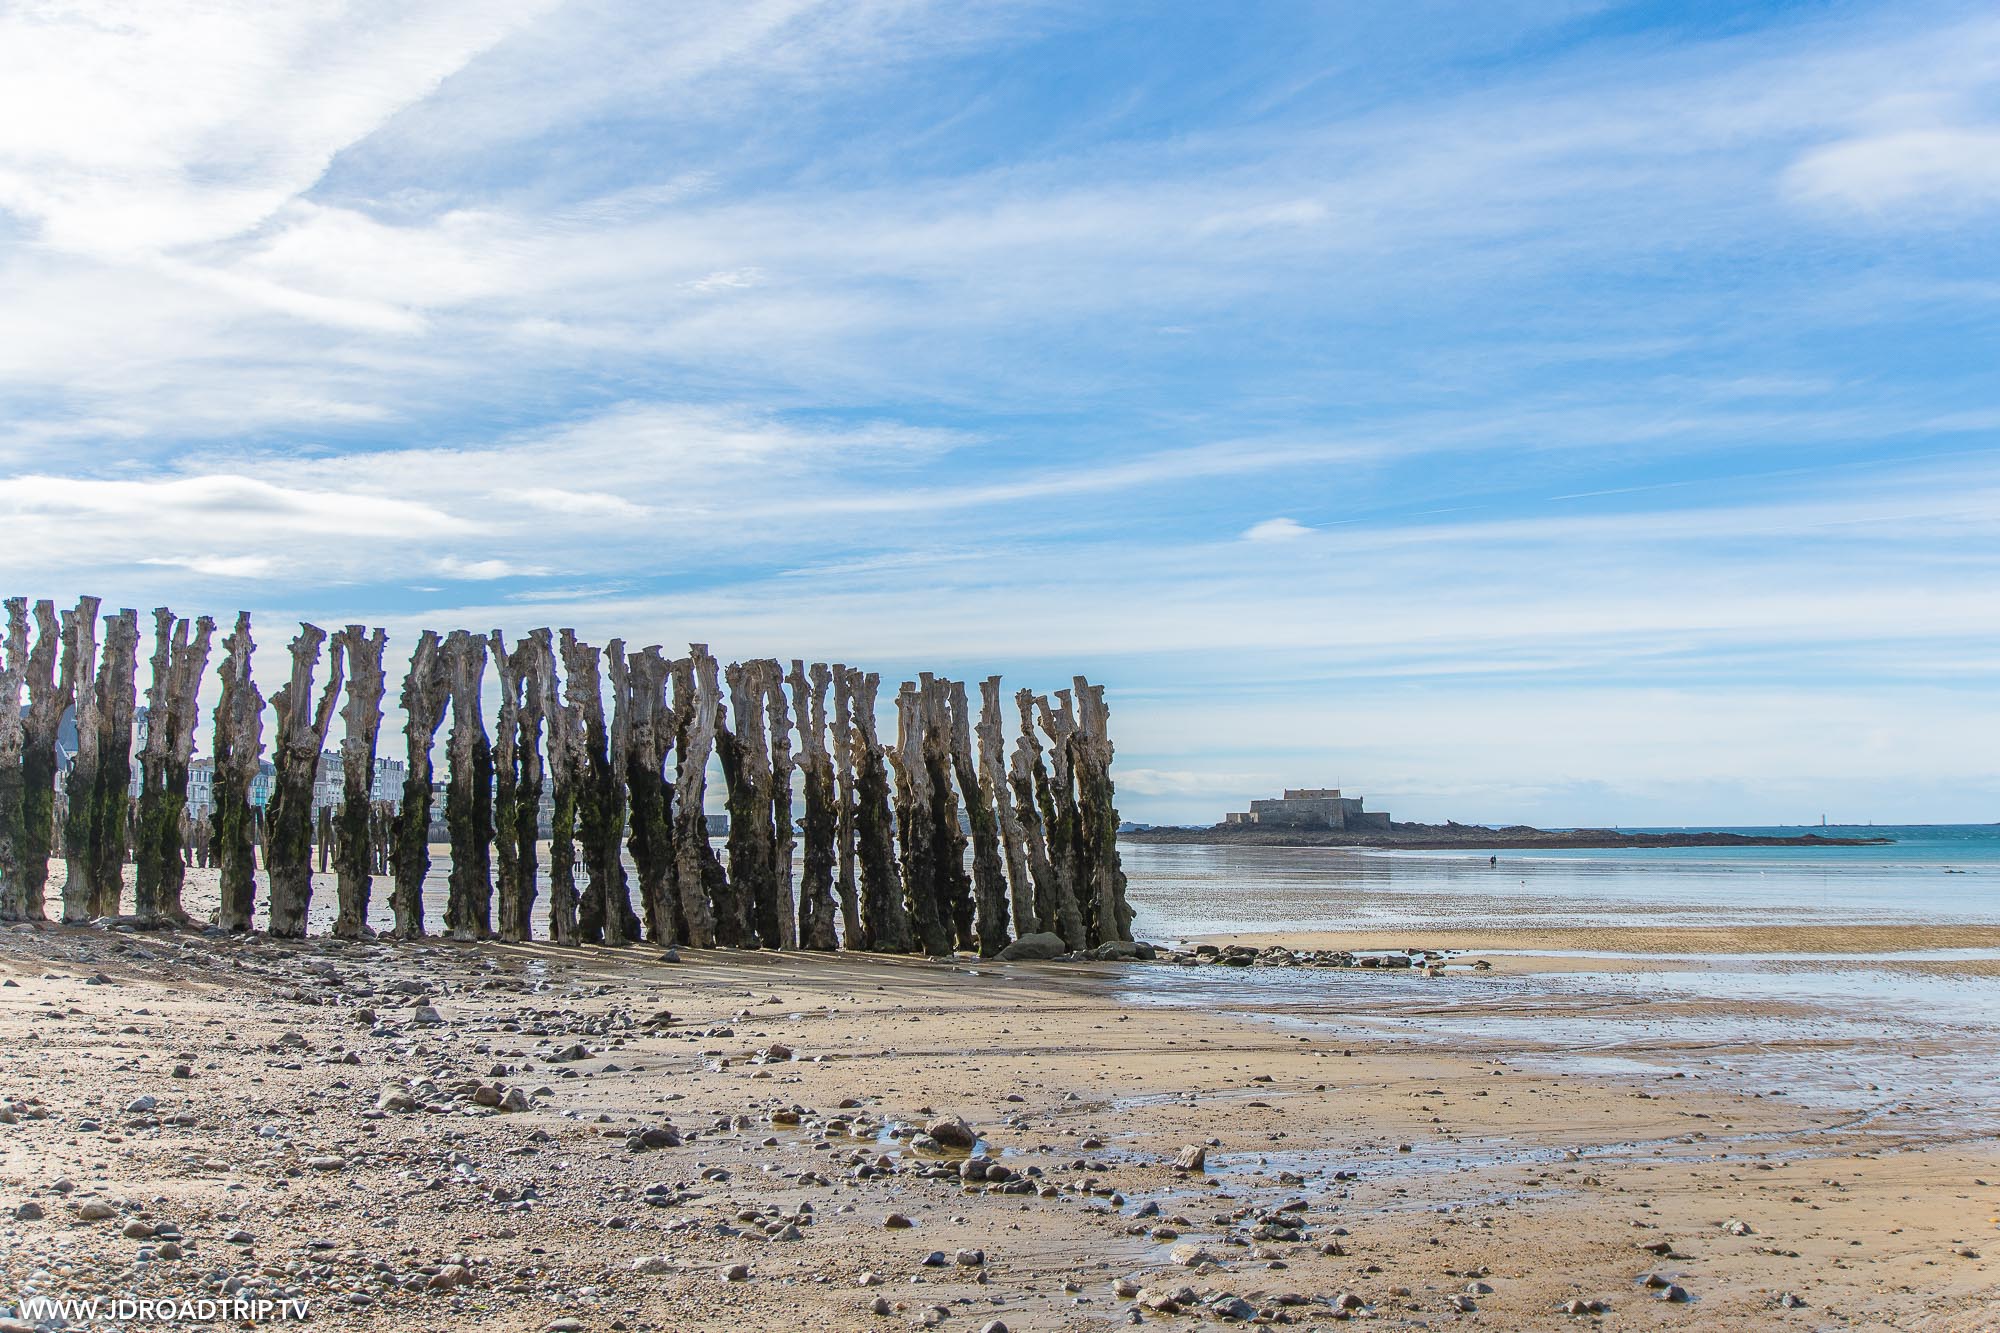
(1559, 412)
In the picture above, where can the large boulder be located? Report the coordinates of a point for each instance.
(1038, 948)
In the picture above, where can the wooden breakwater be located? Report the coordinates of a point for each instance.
(620, 741)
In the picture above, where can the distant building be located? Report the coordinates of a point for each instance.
(1311, 808)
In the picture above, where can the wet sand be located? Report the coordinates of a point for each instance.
(1351, 1155)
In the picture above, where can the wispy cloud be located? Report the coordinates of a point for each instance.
(1563, 344)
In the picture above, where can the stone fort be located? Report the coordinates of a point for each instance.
(1312, 807)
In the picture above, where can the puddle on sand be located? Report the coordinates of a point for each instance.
(1919, 1049)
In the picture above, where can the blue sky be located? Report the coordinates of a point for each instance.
(1567, 412)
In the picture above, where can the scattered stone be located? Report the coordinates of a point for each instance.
(952, 1132)
(29, 1212)
(1194, 1157)
(1037, 948)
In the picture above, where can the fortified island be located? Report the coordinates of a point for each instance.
(1323, 817)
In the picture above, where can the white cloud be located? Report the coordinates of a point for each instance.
(1276, 530)
(1939, 171)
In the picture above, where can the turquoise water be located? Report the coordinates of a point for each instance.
(1945, 874)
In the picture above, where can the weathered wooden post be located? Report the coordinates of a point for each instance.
(510, 666)
(80, 790)
(953, 884)
(995, 788)
(816, 927)
(1059, 806)
(746, 776)
(917, 822)
(783, 908)
(647, 735)
(13, 736)
(49, 695)
(1097, 811)
(361, 723)
(1055, 899)
(111, 820)
(468, 800)
(851, 933)
(178, 664)
(239, 748)
(425, 691)
(885, 921)
(989, 883)
(605, 913)
(567, 778)
(621, 923)
(706, 897)
(301, 739)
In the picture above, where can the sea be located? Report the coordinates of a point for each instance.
(1901, 1044)
(1927, 873)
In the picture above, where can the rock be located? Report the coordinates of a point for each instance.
(935, 1259)
(326, 1162)
(137, 1230)
(96, 1211)
(515, 1100)
(952, 1132)
(569, 1323)
(1116, 951)
(880, 1305)
(969, 1258)
(1189, 1255)
(239, 1237)
(29, 1212)
(1463, 1303)
(451, 1275)
(1036, 948)
(993, 1326)
(1232, 1307)
(736, 1273)
(1791, 1302)
(1194, 1157)
(426, 1016)
(140, 1105)
(653, 1265)
(1675, 1293)
(1478, 1289)
(168, 1250)
(1738, 1227)
(897, 1222)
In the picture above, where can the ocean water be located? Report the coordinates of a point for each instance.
(1897, 1047)
(1944, 874)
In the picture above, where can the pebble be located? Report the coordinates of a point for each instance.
(736, 1273)
(29, 1212)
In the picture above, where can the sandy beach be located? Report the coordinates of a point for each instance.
(326, 1122)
